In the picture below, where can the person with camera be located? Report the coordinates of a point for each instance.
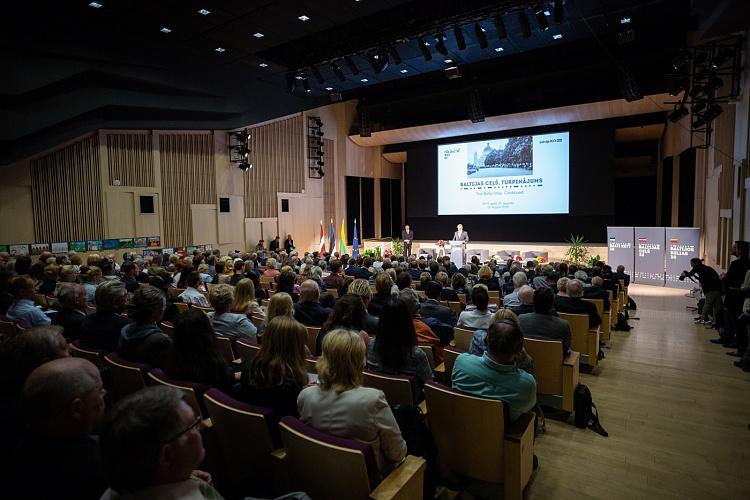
(711, 286)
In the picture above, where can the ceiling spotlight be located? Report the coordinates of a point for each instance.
(303, 18)
(557, 36)
(625, 20)
(316, 73)
(723, 56)
(220, 49)
(378, 61)
(676, 84)
(499, 49)
(460, 40)
(681, 59)
(481, 37)
(404, 71)
(448, 61)
(306, 85)
(558, 14)
(165, 30)
(329, 88)
(395, 57)
(541, 18)
(500, 26)
(204, 12)
(245, 165)
(424, 47)
(364, 80)
(699, 105)
(291, 82)
(258, 35)
(440, 44)
(678, 114)
(350, 64)
(337, 71)
(95, 5)
(263, 65)
(525, 25)
(711, 114)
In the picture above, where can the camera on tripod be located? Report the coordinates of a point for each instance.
(683, 275)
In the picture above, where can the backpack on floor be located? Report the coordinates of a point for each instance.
(622, 323)
(586, 414)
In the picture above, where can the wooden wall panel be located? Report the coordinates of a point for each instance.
(188, 177)
(66, 193)
(279, 165)
(130, 159)
(329, 186)
(723, 149)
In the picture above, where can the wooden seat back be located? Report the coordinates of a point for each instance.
(175, 292)
(398, 390)
(312, 337)
(246, 349)
(96, 357)
(582, 339)
(167, 328)
(455, 307)
(462, 338)
(125, 377)
(599, 303)
(224, 344)
(429, 351)
(193, 392)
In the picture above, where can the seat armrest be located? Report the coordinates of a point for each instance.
(405, 482)
(439, 368)
(516, 430)
(572, 359)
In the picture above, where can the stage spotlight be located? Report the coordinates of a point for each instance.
(676, 84)
(630, 89)
(440, 44)
(500, 26)
(711, 114)
(681, 59)
(306, 85)
(337, 71)
(394, 55)
(481, 37)
(244, 165)
(350, 64)
(378, 61)
(242, 136)
(460, 40)
(425, 49)
(525, 25)
(699, 105)
(291, 82)
(316, 73)
(541, 18)
(678, 114)
(558, 14)
(723, 56)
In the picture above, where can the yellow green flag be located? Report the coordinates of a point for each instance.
(342, 238)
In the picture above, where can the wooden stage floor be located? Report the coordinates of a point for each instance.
(676, 410)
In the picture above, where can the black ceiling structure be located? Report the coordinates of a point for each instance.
(75, 66)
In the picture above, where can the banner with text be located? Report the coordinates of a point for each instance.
(683, 243)
(620, 248)
(649, 256)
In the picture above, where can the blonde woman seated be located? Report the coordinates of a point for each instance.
(244, 299)
(91, 277)
(271, 271)
(340, 406)
(226, 322)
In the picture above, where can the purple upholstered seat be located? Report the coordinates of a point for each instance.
(126, 377)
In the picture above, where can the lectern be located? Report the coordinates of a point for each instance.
(458, 248)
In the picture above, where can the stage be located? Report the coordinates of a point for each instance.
(555, 251)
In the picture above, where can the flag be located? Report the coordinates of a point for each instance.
(355, 242)
(342, 238)
(332, 238)
(322, 238)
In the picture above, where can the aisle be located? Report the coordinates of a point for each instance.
(676, 410)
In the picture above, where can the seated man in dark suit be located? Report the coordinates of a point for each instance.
(431, 308)
(72, 298)
(101, 330)
(542, 324)
(574, 304)
(526, 296)
(414, 270)
(309, 310)
(620, 275)
(352, 269)
(596, 291)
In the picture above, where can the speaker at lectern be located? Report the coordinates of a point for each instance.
(458, 249)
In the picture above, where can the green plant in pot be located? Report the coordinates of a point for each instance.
(398, 246)
(577, 252)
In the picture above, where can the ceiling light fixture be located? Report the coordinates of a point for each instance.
(220, 49)
(541, 18)
(404, 71)
(316, 73)
(258, 35)
(95, 5)
(500, 26)
(395, 56)
(448, 61)
(306, 85)
(460, 40)
(678, 114)
(303, 18)
(499, 49)
(525, 25)
(424, 47)
(440, 44)
(350, 64)
(557, 37)
(263, 65)
(204, 12)
(364, 80)
(625, 20)
(329, 88)
(165, 30)
(481, 37)
(337, 71)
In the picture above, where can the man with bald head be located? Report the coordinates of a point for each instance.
(309, 310)
(574, 304)
(63, 405)
(526, 299)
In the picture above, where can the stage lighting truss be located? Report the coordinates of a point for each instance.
(239, 149)
(707, 76)
(315, 153)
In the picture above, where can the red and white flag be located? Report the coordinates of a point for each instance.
(322, 239)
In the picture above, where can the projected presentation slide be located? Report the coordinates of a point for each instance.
(512, 175)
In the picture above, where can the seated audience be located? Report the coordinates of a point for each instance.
(143, 341)
(361, 287)
(382, 295)
(403, 280)
(478, 314)
(244, 299)
(101, 330)
(506, 286)
(309, 310)
(487, 279)
(348, 314)
(72, 302)
(163, 282)
(519, 279)
(276, 375)
(49, 280)
(151, 445)
(424, 278)
(542, 324)
(526, 299)
(191, 295)
(425, 334)
(431, 308)
(447, 293)
(63, 404)
(574, 304)
(195, 357)
(128, 275)
(271, 271)
(620, 275)
(91, 278)
(394, 349)
(239, 272)
(286, 283)
(23, 309)
(495, 375)
(562, 287)
(226, 322)
(332, 280)
(340, 406)
(596, 291)
(343, 288)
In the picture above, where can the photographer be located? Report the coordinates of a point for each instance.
(711, 286)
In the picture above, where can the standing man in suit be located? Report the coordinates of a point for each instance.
(289, 244)
(407, 235)
(460, 234)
